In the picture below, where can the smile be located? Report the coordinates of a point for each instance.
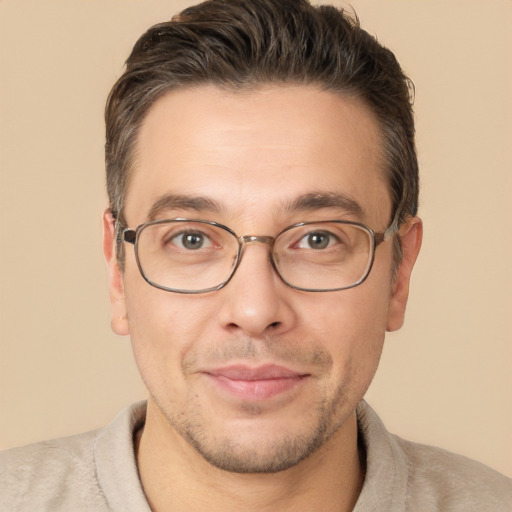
(261, 383)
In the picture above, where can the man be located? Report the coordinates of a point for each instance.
(260, 239)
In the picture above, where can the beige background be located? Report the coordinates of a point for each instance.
(445, 378)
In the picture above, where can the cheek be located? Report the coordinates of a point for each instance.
(163, 328)
(351, 325)
(350, 317)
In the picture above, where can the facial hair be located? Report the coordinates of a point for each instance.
(286, 449)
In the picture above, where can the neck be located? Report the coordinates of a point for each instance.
(176, 478)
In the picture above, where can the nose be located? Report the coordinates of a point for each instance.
(256, 302)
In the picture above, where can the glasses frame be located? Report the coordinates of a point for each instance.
(131, 236)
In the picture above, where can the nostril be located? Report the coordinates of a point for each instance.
(274, 325)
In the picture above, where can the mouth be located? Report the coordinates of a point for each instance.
(255, 384)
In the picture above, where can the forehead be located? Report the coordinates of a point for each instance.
(258, 150)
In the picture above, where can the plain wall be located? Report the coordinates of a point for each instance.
(444, 379)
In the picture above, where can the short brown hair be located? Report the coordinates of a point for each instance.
(242, 44)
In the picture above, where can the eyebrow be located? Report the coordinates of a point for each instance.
(319, 200)
(304, 203)
(182, 202)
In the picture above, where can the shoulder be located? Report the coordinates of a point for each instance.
(452, 481)
(58, 471)
(406, 476)
(92, 471)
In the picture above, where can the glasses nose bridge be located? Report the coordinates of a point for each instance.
(262, 239)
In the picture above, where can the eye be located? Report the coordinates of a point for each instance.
(317, 240)
(191, 240)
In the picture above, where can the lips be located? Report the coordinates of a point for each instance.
(260, 383)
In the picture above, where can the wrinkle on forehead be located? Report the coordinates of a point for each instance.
(259, 153)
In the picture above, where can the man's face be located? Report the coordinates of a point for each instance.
(257, 375)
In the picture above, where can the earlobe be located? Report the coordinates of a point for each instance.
(119, 319)
(411, 235)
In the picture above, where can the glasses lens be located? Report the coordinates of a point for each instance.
(186, 255)
(324, 255)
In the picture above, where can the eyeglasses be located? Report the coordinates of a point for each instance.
(199, 256)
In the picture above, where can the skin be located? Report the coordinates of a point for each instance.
(253, 153)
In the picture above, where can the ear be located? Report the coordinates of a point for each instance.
(119, 318)
(410, 235)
